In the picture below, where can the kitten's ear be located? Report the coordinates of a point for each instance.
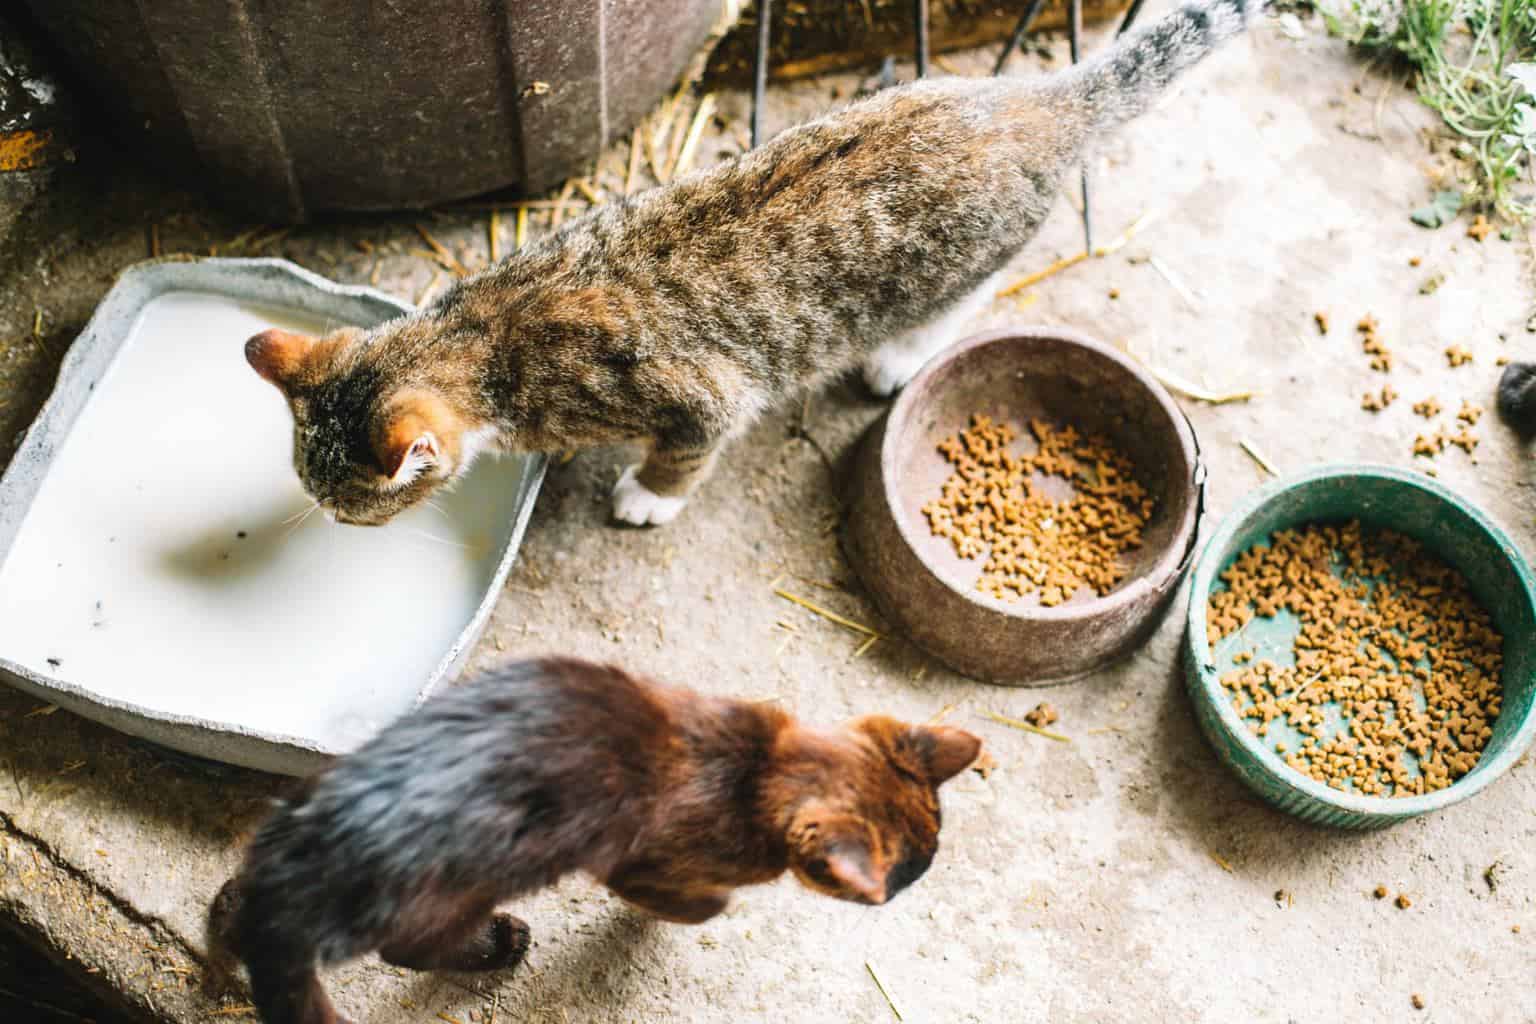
(945, 752)
(834, 853)
(277, 355)
(849, 863)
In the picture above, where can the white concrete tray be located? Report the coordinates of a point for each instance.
(189, 671)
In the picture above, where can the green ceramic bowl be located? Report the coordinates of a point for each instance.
(1448, 526)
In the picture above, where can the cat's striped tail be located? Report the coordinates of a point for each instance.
(1126, 79)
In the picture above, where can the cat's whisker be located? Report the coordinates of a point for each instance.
(301, 518)
(437, 539)
(434, 506)
(300, 514)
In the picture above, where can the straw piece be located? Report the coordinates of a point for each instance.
(1176, 383)
(691, 141)
(1016, 724)
(830, 616)
(1175, 282)
(437, 275)
(1041, 275)
(1119, 242)
(942, 714)
(1253, 453)
(585, 188)
(561, 200)
(634, 161)
(1221, 861)
(866, 645)
(495, 231)
(522, 227)
(439, 250)
(869, 966)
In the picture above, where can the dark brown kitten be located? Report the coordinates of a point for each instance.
(503, 785)
(866, 238)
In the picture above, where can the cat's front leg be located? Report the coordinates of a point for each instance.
(655, 491)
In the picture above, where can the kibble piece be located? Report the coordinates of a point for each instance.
(1418, 1001)
(1403, 902)
(1380, 892)
(1321, 320)
(1457, 355)
(1042, 716)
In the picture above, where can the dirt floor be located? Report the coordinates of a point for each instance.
(1123, 875)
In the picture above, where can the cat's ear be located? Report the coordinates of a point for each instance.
(277, 355)
(835, 854)
(413, 435)
(407, 450)
(944, 752)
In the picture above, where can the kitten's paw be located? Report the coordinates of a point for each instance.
(887, 372)
(637, 504)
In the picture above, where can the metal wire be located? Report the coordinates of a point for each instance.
(760, 71)
(1074, 36)
(1130, 16)
(920, 14)
(1025, 20)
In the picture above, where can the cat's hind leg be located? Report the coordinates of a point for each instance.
(888, 368)
(475, 941)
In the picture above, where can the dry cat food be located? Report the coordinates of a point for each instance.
(1395, 685)
(994, 504)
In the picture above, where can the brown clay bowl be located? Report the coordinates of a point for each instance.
(922, 586)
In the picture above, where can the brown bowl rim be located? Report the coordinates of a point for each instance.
(1168, 568)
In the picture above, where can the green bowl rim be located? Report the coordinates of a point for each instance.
(1197, 647)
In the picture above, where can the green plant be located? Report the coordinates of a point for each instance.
(1476, 65)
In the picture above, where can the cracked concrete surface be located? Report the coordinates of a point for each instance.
(1121, 876)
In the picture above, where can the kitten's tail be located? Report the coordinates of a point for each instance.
(1126, 79)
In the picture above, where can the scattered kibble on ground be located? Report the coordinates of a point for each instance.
(994, 504)
(1373, 402)
(1480, 228)
(1370, 341)
(1457, 355)
(1322, 322)
(1381, 892)
(1470, 413)
(1429, 444)
(1429, 408)
(1395, 684)
(1403, 902)
(1042, 716)
(1418, 1000)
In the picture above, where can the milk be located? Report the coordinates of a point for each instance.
(163, 563)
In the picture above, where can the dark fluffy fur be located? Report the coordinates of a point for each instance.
(506, 784)
(1517, 397)
(672, 318)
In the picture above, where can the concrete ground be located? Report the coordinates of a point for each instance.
(1124, 875)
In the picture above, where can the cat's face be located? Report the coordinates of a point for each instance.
(875, 831)
(363, 450)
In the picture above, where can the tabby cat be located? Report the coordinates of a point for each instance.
(507, 783)
(866, 238)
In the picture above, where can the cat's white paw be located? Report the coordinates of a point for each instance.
(887, 371)
(635, 503)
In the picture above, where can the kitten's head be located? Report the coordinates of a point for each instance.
(366, 446)
(873, 828)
